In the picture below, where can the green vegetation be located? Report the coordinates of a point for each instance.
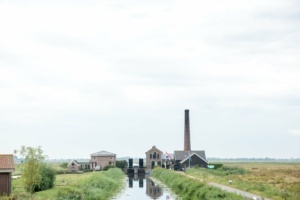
(31, 175)
(274, 180)
(101, 186)
(47, 174)
(91, 185)
(225, 171)
(121, 164)
(190, 189)
(64, 165)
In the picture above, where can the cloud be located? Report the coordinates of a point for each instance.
(294, 132)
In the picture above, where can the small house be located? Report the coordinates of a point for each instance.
(75, 166)
(102, 159)
(6, 168)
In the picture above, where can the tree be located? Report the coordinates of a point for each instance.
(64, 165)
(121, 164)
(47, 174)
(32, 161)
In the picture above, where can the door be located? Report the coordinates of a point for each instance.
(4, 183)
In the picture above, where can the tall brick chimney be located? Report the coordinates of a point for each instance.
(187, 139)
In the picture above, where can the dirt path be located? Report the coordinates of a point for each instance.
(230, 189)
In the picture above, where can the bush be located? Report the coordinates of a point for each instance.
(64, 165)
(47, 175)
(121, 164)
(216, 165)
(108, 167)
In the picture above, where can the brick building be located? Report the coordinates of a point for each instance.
(75, 166)
(153, 157)
(102, 159)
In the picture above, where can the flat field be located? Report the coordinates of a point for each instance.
(273, 180)
(91, 185)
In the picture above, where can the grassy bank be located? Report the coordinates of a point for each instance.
(92, 185)
(274, 180)
(190, 189)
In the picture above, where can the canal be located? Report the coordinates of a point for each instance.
(144, 187)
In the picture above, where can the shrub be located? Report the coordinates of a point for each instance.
(47, 175)
(64, 165)
(216, 165)
(121, 164)
(108, 167)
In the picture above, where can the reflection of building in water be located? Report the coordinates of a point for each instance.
(136, 177)
(153, 190)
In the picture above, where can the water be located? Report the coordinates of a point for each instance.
(143, 188)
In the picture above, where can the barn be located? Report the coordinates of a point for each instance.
(6, 168)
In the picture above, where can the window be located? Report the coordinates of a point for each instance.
(154, 155)
(157, 155)
(151, 156)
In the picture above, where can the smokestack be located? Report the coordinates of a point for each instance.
(187, 139)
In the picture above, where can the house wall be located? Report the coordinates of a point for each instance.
(73, 167)
(103, 161)
(153, 158)
(5, 183)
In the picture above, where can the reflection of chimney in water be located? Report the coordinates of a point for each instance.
(187, 139)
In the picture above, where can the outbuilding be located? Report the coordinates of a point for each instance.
(6, 168)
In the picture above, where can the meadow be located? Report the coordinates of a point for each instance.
(190, 189)
(91, 185)
(274, 180)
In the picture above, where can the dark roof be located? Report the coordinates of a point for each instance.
(103, 153)
(193, 154)
(6, 161)
(181, 155)
(78, 163)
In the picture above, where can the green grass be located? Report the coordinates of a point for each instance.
(92, 185)
(190, 189)
(274, 180)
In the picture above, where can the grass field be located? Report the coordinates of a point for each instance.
(273, 180)
(91, 185)
(190, 189)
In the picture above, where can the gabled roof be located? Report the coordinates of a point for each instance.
(73, 161)
(7, 162)
(154, 149)
(103, 153)
(194, 154)
(78, 163)
(181, 155)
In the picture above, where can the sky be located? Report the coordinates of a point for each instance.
(78, 77)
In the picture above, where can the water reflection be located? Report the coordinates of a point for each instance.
(153, 190)
(141, 187)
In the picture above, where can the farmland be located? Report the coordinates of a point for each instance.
(273, 180)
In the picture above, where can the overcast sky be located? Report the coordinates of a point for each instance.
(78, 77)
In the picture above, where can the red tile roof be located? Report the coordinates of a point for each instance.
(6, 161)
